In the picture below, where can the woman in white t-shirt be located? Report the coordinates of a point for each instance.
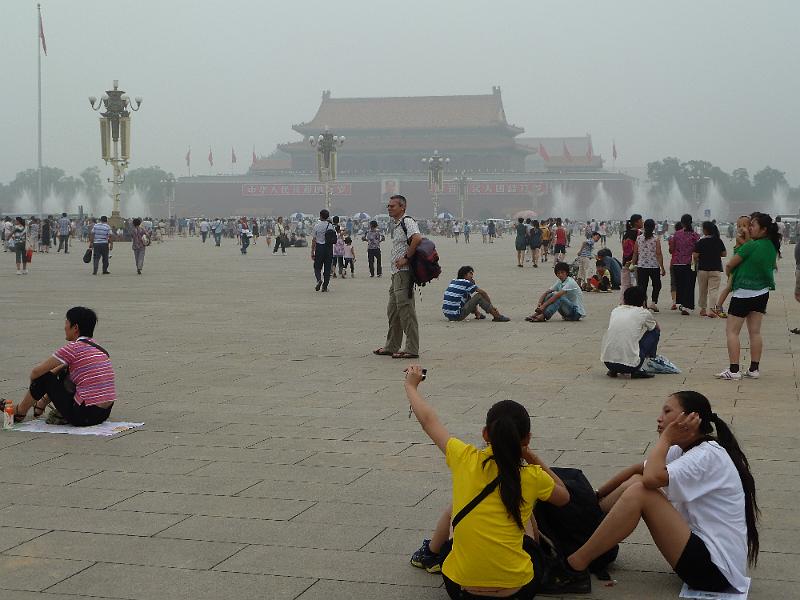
(696, 495)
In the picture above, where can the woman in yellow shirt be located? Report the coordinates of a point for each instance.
(487, 557)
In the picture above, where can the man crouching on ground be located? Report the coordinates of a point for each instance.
(463, 297)
(78, 378)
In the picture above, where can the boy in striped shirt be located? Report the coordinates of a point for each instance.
(86, 395)
(463, 297)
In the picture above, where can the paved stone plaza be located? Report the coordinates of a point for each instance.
(278, 461)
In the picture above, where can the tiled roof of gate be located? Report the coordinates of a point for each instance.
(418, 112)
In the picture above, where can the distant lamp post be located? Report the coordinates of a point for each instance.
(169, 186)
(698, 184)
(462, 183)
(436, 165)
(326, 144)
(115, 138)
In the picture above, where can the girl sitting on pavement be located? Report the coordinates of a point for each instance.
(696, 495)
(488, 556)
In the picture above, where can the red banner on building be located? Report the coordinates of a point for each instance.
(492, 188)
(294, 189)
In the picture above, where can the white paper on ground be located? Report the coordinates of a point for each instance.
(687, 592)
(107, 428)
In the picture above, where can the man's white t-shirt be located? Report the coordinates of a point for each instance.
(705, 487)
(626, 326)
(204, 226)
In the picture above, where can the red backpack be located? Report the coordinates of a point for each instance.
(424, 265)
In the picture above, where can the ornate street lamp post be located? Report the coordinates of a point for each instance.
(435, 177)
(326, 144)
(462, 181)
(169, 186)
(115, 139)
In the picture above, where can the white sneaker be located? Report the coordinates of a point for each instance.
(19, 272)
(752, 374)
(24, 271)
(728, 376)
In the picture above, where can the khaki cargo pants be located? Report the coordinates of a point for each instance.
(402, 315)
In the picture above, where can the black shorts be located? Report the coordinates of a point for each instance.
(696, 569)
(741, 307)
(560, 249)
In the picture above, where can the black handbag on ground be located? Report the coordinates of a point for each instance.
(87, 256)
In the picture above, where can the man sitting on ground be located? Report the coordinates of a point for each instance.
(564, 297)
(463, 297)
(632, 336)
(84, 393)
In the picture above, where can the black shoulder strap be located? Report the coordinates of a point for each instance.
(403, 225)
(490, 487)
(98, 346)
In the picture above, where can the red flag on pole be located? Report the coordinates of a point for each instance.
(589, 151)
(543, 153)
(210, 158)
(189, 157)
(565, 153)
(41, 33)
(233, 156)
(614, 150)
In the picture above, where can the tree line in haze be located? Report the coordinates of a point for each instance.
(89, 184)
(738, 186)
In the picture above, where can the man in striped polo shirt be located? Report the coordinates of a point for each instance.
(463, 297)
(101, 241)
(85, 396)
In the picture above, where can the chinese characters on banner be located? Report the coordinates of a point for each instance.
(491, 188)
(294, 189)
(392, 186)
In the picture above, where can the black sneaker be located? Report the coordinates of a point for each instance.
(425, 559)
(563, 580)
(319, 285)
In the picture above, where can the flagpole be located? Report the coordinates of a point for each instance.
(39, 115)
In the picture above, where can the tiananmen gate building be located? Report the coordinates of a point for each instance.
(386, 140)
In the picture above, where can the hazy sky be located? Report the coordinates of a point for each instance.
(715, 80)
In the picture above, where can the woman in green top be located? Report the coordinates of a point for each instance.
(521, 242)
(753, 268)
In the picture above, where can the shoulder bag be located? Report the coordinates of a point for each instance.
(63, 374)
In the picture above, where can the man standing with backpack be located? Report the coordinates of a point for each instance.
(401, 311)
(322, 239)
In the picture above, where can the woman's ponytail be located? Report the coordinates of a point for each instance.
(507, 424)
(727, 440)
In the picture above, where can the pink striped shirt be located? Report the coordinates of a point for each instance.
(90, 370)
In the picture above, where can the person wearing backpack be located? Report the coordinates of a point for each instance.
(493, 498)
(323, 237)
(405, 237)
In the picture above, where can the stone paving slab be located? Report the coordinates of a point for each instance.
(143, 583)
(214, 506)
(277, 459)
(278, 533)
(128, 549)
(36, 574)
